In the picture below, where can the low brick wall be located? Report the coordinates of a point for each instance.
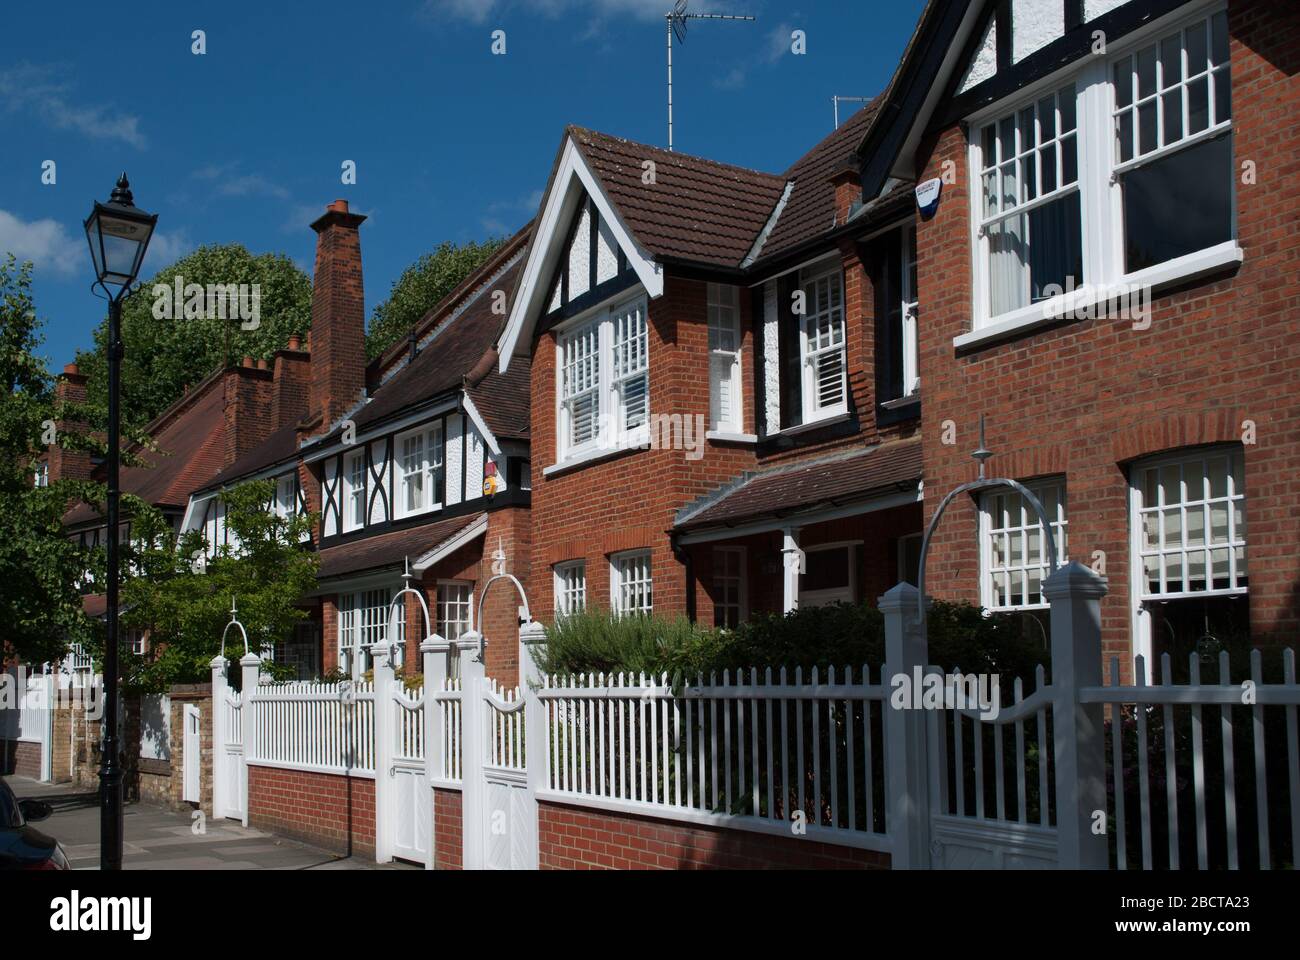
(448, 840)
(579, 838)
(327, 810)
(21, 757)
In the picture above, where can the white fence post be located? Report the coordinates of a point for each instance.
(537, 746)
(906, 773)
(220, 691)
(473, 737)
(385, 807)
(433, 653)
(250, 667)
(1078, 740)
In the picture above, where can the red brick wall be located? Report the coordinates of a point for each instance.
(247, 410)
(338, 320)
(1088, 396)
(576, 838)
(326, 810)
(448, 841)
(22, 758)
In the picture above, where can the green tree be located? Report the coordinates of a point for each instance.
(186, 605)
(163, 355)
(421, 287)
(40, 568)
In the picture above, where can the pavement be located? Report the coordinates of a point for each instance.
(160, 839)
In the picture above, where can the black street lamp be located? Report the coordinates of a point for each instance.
(118, 233)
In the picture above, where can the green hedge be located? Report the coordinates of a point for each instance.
(839, 635)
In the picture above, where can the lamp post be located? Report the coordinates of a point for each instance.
(118, 233)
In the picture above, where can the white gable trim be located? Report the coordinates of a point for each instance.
(543, 253)
(480, 425)
(451, 544)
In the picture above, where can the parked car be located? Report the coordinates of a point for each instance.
(22, 846)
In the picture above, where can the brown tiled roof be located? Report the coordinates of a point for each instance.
(280, 445)
(697, 209)
(191, 440)
(441, 366)
(503, 398)
(807, 486)
(810, 210)
(390, 549)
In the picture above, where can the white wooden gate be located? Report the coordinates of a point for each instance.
(408, 790)
(233, 731)
(191, 746)
(507, 815)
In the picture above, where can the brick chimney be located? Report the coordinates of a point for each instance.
(338, 321)
(69, 464)
(847, 182)
(290, 384)
(247, 408)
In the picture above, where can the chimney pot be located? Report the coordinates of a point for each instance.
(339, 206)
(294, 343)
(261, 363)
(71, 368)
(248, 361)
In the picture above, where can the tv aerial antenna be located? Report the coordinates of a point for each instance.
(837, 100)
(676, 21)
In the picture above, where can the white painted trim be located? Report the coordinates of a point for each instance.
(449, 546)
(1161, 276)
(382, 430)
(558, 205)
(476, 419)
(726, 436)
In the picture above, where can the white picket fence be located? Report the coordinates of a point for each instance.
(1200, 774)
(759, 753)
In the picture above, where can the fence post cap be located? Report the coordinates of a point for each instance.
(434, 644)
(218, 662)
(250, 659)
(897, 597)
(1074, 579)
(532, 632)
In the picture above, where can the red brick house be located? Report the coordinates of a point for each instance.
(419, 457)
(1139, 150)
(1145, 154)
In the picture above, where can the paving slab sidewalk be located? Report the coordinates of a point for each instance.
(162, 839)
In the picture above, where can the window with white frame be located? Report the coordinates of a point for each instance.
(1189, 525)
(354, 490)
(729, 598)
(631, 585)
(362, 622)
(830, 574)
(603, 381)
(1013, 549)
(455, 609)
(285, 504)
(419, 470)
(893, 257)
(725, 411)
(1137, 146)
(910, 308)
(570, 587)
(631, 365)
(42, 475)
(822, 345)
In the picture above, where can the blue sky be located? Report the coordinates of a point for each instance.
(245, 143)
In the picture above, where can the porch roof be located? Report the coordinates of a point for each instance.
(371, 554)
(801, 492)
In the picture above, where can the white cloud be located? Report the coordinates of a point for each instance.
(778, 42)
(164, 250)
(37, 90)
(734, 79)
(231, 184)
(45, 242)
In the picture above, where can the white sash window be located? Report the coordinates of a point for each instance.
(725, 412)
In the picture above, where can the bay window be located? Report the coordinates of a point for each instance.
(1116, 177)
(725, 411)
(603, 381)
